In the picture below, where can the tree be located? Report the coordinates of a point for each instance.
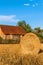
(25, 26)
(38, 30)
(39, 33)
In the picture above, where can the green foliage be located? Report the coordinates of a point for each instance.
(25, 26)
(11, 41)
(1, 39)
(39, 32)
(37, 29)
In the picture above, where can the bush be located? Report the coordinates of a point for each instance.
(1, 39)
(9, 41)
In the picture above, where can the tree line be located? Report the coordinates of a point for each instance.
(38, 31)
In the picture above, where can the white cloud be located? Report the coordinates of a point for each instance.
(8, 18)
(33, 5)
(26, 4)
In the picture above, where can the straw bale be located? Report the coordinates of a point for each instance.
(30, 43)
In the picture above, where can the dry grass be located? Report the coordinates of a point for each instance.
(9, 59)
(10, 47)
(40, 59)
(11, 54)
(14, 59)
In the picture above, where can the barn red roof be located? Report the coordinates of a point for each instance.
(12, 29)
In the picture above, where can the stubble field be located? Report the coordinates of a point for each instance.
(9, 55)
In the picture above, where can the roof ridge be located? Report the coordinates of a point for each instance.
(7, 29)
(9, 25)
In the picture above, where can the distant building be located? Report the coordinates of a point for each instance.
(11, 32)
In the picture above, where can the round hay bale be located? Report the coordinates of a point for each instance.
(30, 43)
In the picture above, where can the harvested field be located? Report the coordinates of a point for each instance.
(11, 48)
(20, 54)
(13, 59)
(40, 59)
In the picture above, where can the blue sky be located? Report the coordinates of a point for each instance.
(12, 11)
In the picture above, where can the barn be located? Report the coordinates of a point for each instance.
(11, 32)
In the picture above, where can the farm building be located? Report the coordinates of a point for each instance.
(11, 32)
